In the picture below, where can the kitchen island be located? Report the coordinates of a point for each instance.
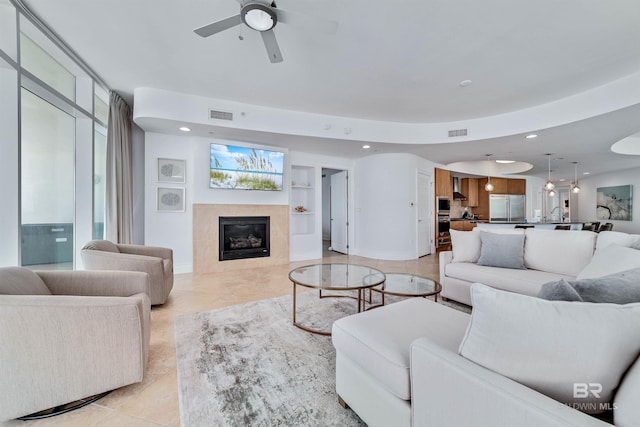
(539, 225)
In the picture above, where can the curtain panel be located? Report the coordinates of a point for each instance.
(119, 176)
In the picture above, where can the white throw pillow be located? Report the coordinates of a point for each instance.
(607, 238)
(609, 260)
(555, 347)
(465, 245)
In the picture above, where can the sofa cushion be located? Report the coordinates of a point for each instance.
(626, 412)
(21, 281)
(607, 238)
(526, 282)
(552, 346)
(378, 340)
(558, 252)
(101, 245)
(618, 288)
(501, 250)
(609, 260)
(465, 245)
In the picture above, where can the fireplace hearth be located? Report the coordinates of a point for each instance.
(243, 237)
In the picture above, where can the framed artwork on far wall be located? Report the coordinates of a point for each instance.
(171, 170)
(615, 202)
(171, 199)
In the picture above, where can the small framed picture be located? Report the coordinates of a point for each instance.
(171, 170)
(171, 199)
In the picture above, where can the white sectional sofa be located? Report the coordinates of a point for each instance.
(420, 363)
(548, 255)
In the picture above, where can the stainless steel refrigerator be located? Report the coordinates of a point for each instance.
(506, 208)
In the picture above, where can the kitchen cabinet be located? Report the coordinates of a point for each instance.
(469, 188)
(517, 186)
(500, 185)
(444, 185)
(464, 225)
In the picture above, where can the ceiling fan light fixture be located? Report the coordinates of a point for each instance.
(259, 17)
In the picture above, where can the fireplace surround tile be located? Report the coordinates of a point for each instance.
(205, 236)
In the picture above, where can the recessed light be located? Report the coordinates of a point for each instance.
(185, 129)
(531, 136)
(465, 83)
(366, 146)
(586, 173)
(505, 161)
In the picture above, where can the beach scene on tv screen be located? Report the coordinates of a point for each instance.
(245, 168)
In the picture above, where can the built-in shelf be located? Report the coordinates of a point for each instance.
(303, 194)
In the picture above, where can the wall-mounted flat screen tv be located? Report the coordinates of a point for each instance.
(245, 168)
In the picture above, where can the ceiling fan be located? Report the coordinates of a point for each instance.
(262, 16)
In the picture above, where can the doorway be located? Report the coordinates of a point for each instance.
(424, 215)
(335, 205)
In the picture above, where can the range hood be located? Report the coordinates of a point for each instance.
(456, 190)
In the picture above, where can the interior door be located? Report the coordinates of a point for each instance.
(423, 215)
(339, 218)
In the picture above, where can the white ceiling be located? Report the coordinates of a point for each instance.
(392, 61)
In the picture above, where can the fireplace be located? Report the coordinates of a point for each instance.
(243, 237)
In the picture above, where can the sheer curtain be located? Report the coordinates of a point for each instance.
(119, 188)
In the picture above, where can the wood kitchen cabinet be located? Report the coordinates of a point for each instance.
(444, 185)
(517, 186)
(482, 210)
(469, 188)
(463, 225)
(500, 185)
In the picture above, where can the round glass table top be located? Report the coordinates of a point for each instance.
(408, 285)
(337, 276)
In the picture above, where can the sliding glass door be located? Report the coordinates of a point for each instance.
(47, 179)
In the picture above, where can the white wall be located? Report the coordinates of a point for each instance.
(175, 229)
(587, 197)
(385, 199)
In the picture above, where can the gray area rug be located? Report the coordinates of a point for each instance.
(247, 365)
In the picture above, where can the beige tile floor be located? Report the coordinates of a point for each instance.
(154, 401)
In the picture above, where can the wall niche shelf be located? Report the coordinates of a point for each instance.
(303, 194)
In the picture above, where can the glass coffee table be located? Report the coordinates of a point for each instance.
(334, 277)
(406, 285)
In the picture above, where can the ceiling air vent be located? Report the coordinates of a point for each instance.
(457, 132)
(220, 115)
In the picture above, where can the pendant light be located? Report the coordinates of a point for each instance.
(549, 186)
(489, 186)
(575, 189)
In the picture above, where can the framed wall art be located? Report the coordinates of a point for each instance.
(171, 170)
(615, 202)
(171, 199)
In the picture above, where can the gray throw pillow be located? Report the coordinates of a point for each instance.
(502, 250)
(618, 288)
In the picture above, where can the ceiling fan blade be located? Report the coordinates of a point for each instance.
(270, 42)
(306, 21)
(216, 27)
